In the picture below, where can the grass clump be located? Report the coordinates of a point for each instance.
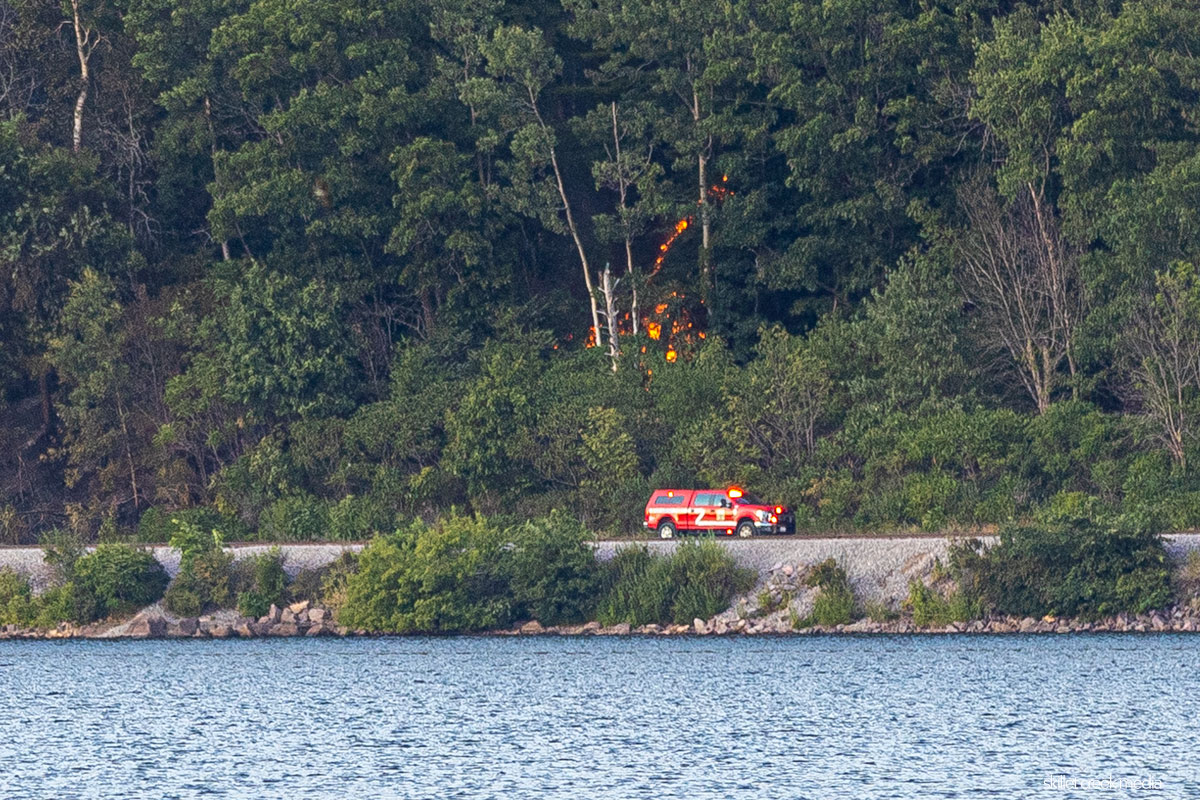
(698, 580)
(834, 604)
(931, 608)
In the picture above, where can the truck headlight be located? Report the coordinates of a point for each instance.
(761, 516)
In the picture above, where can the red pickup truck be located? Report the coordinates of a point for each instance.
(727, 511)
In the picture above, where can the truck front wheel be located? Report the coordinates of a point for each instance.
(745, 529)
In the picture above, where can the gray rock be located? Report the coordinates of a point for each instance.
(532, 627)
(183, 628)
(318, 614)
(273, 614)
(283, 629)
(287, 616)
(145, 626)
(299, 608)
(699, 626)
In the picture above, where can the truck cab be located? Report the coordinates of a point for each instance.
(670, 512)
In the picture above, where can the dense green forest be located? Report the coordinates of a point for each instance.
(313, 268)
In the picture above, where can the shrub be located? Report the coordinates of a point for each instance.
(1187, 579)
(61, 549)
(268, 585)
(159, 525)
(552, 570)
(184, 597)
(429, 578)
(57, 604)
(696, 580)
(116, 579)
(335, 578)
(205, 570)
(295, 518)
(930, 607)
(834, 604)
(355, 518)
(1070, 567)
(17, 605)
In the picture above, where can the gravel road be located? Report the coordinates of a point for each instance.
(879, 567)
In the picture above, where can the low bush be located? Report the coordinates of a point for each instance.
(1072, 567)
(205, 578)
(435, 578)
(834, 604)
(1187, 579)
(267, 585)
(17, 604)
(334, 579)
(57, 604)
(116, 579)
(552, 570)
(295, 518)
(698, 580)
(930, 607)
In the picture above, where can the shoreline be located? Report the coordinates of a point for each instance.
(306, 620)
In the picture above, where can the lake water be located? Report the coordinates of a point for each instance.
(802, 717)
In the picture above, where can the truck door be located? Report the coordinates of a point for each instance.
(701, 512)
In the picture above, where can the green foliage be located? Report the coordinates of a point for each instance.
(429, 578)
(552, 570)
(931, 608)
(116, 579)
(61, 550)
(60, 604)
(1071, 567)
(268, 585)
(205, 570)
(315, 268)
(295, 518)
(834, 604)
(17, 604)
(698, 580)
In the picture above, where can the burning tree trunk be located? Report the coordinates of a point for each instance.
(1163, 347)
(1024, 281)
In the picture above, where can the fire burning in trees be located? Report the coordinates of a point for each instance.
(679, 327)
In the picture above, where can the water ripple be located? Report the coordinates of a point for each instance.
(812, 717)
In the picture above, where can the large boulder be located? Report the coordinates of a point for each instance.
(147, 625)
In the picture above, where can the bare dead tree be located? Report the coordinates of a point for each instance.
(1015, 268)
(87, 39)
(1162, 345)
(608, 289)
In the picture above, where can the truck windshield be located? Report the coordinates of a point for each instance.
(751, 500)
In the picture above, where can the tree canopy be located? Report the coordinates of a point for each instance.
(318, 268)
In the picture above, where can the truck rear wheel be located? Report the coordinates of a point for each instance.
(666, 529)
(745, 529)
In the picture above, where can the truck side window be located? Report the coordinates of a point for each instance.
(703, 500)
